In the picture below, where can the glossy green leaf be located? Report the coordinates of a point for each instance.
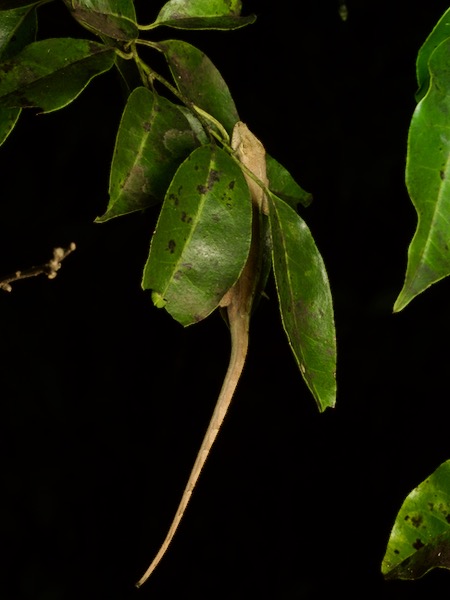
(51, 73)
(154, 137)
(305, 301)
(199, 80)
(203, 14)
(420, 538)
(202, 237)
(283, 185)
(428, 182)
(114, 19)
(440, 33)
(17, 29)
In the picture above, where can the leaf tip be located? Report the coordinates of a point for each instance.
(403, 299)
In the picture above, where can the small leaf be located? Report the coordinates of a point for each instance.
(195, 124)
(114, 19)
(51, 73)
(17, 29)
(305, 301)
(420, 538)
(203, 14)
(202, 238)
(428, 182)
(440, 33)
(199, 80)
(283, 185)
(154, 137)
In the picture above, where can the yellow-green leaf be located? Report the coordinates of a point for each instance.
(420, 538)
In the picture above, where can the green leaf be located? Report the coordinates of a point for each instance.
(17, 29)
(420, 538)
(202, 238)
(203, 14)
(8, 120)
(200, 81)
(200, 8)
(440, 33)
(428, 182)
(305, 301)
(154, 137)
(114, 19)
(51, 73)
(283, 185)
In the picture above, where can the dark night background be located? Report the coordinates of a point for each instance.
(104, 399)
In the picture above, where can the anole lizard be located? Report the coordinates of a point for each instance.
(237, 302)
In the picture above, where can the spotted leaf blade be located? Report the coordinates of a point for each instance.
(154, 137)
(420, 538)
(305, 301)
(115, 19)
(202, 238)
(199, 80)
(51, 73)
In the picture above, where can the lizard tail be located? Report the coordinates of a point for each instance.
(239, 345)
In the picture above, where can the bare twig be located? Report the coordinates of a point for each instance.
(49, 268)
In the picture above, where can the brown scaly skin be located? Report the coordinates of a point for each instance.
(237, 302)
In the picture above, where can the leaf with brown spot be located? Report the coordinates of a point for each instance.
(202, 238)
(199, 80)
(114, 19)
(153, 139)
(420, 537)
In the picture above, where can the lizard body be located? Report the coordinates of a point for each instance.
(238, 302)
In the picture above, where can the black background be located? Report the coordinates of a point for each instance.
(104, 399)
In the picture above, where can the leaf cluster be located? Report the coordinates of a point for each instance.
(173, 147)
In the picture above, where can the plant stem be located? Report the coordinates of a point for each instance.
(49, 268)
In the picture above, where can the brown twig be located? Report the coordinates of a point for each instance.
(49, 268)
